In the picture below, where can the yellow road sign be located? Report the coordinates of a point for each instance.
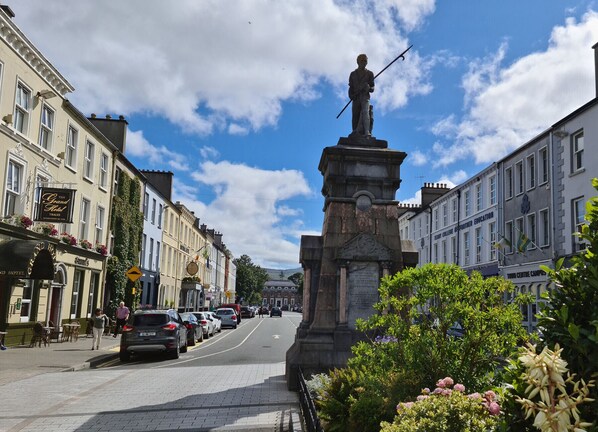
(134, 273)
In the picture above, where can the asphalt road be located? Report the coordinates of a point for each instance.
(231, 382)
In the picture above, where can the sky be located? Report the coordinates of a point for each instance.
(238, 98)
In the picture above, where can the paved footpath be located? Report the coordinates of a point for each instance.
(40, 395)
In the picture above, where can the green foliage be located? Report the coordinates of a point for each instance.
(297, 279)
(414, 346)
(250, 278)
(127, 226)
(570, 317)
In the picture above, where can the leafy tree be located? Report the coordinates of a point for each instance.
(570, 318)
(416, 341)
(250, 279)
(297, 279)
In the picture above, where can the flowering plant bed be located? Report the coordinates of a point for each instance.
(85, 244)
(68, 239)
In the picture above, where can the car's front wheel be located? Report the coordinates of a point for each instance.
(124, 356)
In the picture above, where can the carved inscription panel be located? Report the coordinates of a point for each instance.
(363, 281)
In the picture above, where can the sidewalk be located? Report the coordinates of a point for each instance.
(20, 362)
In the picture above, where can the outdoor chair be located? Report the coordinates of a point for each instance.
(40, 335)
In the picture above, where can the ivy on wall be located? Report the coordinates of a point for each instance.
(127, 227)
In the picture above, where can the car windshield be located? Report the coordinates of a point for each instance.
(150, 320)
(224, 312)
(188, 317)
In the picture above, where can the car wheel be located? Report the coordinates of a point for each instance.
(235, 326)
(206, 335)
(125, 356)
(174, 354)
(183, 349)
(191, 342)
(200, 337)
(213, 332)
(219, 329)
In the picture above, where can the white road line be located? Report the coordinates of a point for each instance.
(209, 355)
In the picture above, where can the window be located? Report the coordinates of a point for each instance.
(84, 219)
(519, 230)
(509, 182)
(22, 108)
(577, 152)
(143, 245)
(478, 245)
(467, 203)
(531, 171)
(531, 230)
(117, 175)
(103, 170)
(454, 250)
(151, 254)
(493, 240)
(492, 187)
(455, 210)
(509, 237)
(145, 204)
(544, 228)
(91, 300)
(14, 188)
(444, 215)
(157, 256)
(443, 248)
(153, 211)
(160, 210)
(544, 165)
(71, 147)
(77, 289)
(88, 163)
(100, 225)
(435, 249)
(40, 181)
(519, 179)
(478, 197)
(579, 211)
(466, 248)
(436, 216)
(26, 300)
(46, 130)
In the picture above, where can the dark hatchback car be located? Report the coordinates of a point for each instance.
(153, 331)
(276, 311)
(194, 329)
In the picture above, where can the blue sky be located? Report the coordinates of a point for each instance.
(238, 98)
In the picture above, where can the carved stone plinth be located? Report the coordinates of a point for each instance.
(359, 244)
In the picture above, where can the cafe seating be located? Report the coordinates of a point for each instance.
(40, 334)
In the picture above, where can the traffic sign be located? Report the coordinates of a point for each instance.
(134, 273)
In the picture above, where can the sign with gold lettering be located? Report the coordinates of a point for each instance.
(55, 205)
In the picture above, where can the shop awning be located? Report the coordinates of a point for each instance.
(27, 259)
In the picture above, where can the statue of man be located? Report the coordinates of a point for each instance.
(361, 84)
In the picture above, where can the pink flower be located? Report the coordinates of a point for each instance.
(475, 396)
(426, 391)
(494, 408)
(446, 392)
(440, 383)
(438, 390)
(404, 406)
(448, 381)
(459, 388)
(490, 395)
(422, 397)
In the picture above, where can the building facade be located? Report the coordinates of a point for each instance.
(280, 293)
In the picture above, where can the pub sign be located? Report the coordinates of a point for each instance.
(55, 205)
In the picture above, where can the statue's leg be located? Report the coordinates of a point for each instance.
(356, 111)
(364, 125)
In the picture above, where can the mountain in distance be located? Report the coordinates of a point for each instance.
(275, 274)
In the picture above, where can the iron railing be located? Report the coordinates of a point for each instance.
(308, 408)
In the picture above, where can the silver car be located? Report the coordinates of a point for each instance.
(215, 321)
(206, 324)
(228, 317)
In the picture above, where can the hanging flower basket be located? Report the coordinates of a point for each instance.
(85, 244)
(101, 249)
(68, 239)
(48, 229)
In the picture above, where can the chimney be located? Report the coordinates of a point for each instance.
(595, 48)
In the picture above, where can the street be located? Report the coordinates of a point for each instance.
(232, 381)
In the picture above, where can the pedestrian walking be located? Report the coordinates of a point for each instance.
(99, 322)
(122, 315)
(261, 312)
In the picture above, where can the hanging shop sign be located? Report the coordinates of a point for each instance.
(55, 205)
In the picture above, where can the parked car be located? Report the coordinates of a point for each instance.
(194, 328)
(216, 321)
(206, 324)
(285, 307)
(153, 330)
(247, 312)
(234, 306)
(228, 317)
(276, 311)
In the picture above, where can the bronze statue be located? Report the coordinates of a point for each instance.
(361, 84)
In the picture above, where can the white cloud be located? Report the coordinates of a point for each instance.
(138, 146)
(209, 152)
(507, 106)
(251, 208)
(222, 65)
(418, 158)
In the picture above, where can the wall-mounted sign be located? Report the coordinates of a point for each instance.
(55, 205)
(192, 268)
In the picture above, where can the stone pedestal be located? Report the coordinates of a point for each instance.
(359, 244)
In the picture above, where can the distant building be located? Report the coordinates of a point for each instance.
(280, 293)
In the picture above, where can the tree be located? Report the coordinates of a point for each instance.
(250, 278)
(570, 318)
(297, 279)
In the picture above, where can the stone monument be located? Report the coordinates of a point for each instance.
(360, 244)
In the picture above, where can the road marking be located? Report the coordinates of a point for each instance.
(276, 336)
(210, 355)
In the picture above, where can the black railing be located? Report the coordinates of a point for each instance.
(308, 408)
